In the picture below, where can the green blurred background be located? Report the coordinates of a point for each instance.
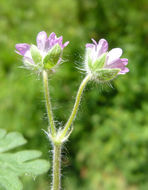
(108, 149)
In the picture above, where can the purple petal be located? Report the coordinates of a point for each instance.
(51, 39)
(65, 44)
(59, 41)
(124, 61)
(116, 64)
(94, 41)
(52, 36)
(41, 40)
(124, 71)
(119, 64)
(54, 40)
(103, 46)
(47, 45)
(113, 55)
(89, 45)
(22, 48)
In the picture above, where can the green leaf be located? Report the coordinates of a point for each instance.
(51, 59)
(36, 56)
(10, 140)
(8, 180)
(26, 155)
(35, 167)
(105, 75)
(14, 165)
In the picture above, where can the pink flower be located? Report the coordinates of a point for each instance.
(94, 52)
(34, 56)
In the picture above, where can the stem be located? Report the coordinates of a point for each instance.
(76, 105)
(56, 183)
(48, 103)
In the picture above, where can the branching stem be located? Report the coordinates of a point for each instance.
(57, 144)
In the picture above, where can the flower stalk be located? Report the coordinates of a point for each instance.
(76, 106)
(56, 183)
(48, 104)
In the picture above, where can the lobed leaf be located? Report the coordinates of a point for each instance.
(9, 181)
(10, 140)
(14, 165)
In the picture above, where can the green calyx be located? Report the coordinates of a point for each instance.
(104, 75)
(52, 57)
(36, 56)
(98, 64)
(98, 70)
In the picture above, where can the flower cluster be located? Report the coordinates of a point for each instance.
(102, 64)
(45, 55)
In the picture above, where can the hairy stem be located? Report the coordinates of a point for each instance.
(48, 103)
(56, 183)
(76, 105)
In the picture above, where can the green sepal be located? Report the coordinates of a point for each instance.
(99, 63)
(105, 75)
(88, 58)
(52, 57)
(35, 53)
(89, 61)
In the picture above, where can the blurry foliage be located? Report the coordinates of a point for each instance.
(108, 149)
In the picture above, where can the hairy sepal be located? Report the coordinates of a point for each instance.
(99, 63)
(105, 75)
(36, 56)
(52, 57)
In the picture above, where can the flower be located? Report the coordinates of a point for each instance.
(45, 55)
(102, 64)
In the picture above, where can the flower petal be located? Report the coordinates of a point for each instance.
(52, 36)
(116, 64)
(65, 44)
(94, 41)
(89, 45)
(124, 61)
(119, 64)
(124, 71)
(41, 40)
(103, 46)
(113, 55)
(22, 48)
(59, 41)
